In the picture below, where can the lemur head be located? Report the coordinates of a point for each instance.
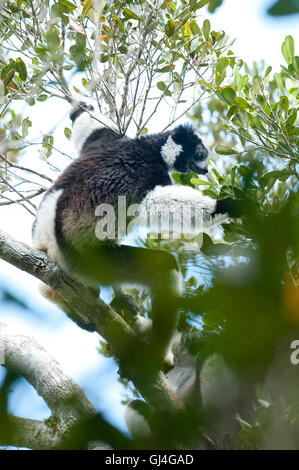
(78, 109)
(184, 150)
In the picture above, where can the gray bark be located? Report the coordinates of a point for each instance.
(90, 309)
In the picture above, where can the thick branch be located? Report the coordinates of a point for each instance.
(29, 433)
(91, 310)
(26, 357)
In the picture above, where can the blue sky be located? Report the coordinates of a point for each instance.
(258, 37)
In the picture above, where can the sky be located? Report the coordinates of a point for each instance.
(257, 37)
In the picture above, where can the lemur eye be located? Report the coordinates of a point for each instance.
(202, 152)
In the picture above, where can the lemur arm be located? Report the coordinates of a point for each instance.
(185, 204)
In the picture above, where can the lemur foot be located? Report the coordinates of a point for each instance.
(50, 294)
(125, 305)
(235, 207)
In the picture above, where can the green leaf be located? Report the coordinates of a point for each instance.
(213, 5)
(7, 77)
(231, 112)
(288, 49)
(164, 69)
(284, 7)
(195, 29)
(67, 132)
(224, 150)
(163, 87)
(205, 83)
(21, 69)
(177, 177)
(42, 97)
(67, 4)
(26, 123)
(206, 29)
(292, 118)
(120, 23)
(270, 178)
(170, 28)
(295, 63)
(256, 84)
(197, 181)
(53, 40)
(279, 82)
(268, 71)
(209, 248)
(243, 104)
(87, 7)
(211, 193)
(258, 123)
(177, 86)
(48, 141)
(198, 5)
(131, 15)
(228, 95)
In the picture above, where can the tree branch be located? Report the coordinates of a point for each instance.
(26, 357)
(89, 309)
(29, 433)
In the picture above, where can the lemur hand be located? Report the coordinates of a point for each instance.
(235, 207)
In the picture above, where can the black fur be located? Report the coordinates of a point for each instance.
(193, 152)
(129, 167)
(110, 166)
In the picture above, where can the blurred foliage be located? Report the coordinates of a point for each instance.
(284, 7)
(241, 297)
(278, 8)
(250, 312)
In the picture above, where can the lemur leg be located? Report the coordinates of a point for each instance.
(155, 269)
(124, 303)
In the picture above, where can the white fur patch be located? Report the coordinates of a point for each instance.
(175, 208)
(170, 151)
(85, 125)
(44, 238)
(203, 164)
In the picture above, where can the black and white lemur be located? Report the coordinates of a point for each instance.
(110, 165)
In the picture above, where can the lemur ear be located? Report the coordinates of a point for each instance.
(186, 136)
(79, 109)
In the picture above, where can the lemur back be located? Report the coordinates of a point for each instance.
(108, 166)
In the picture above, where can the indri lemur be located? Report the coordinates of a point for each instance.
(110, 165)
